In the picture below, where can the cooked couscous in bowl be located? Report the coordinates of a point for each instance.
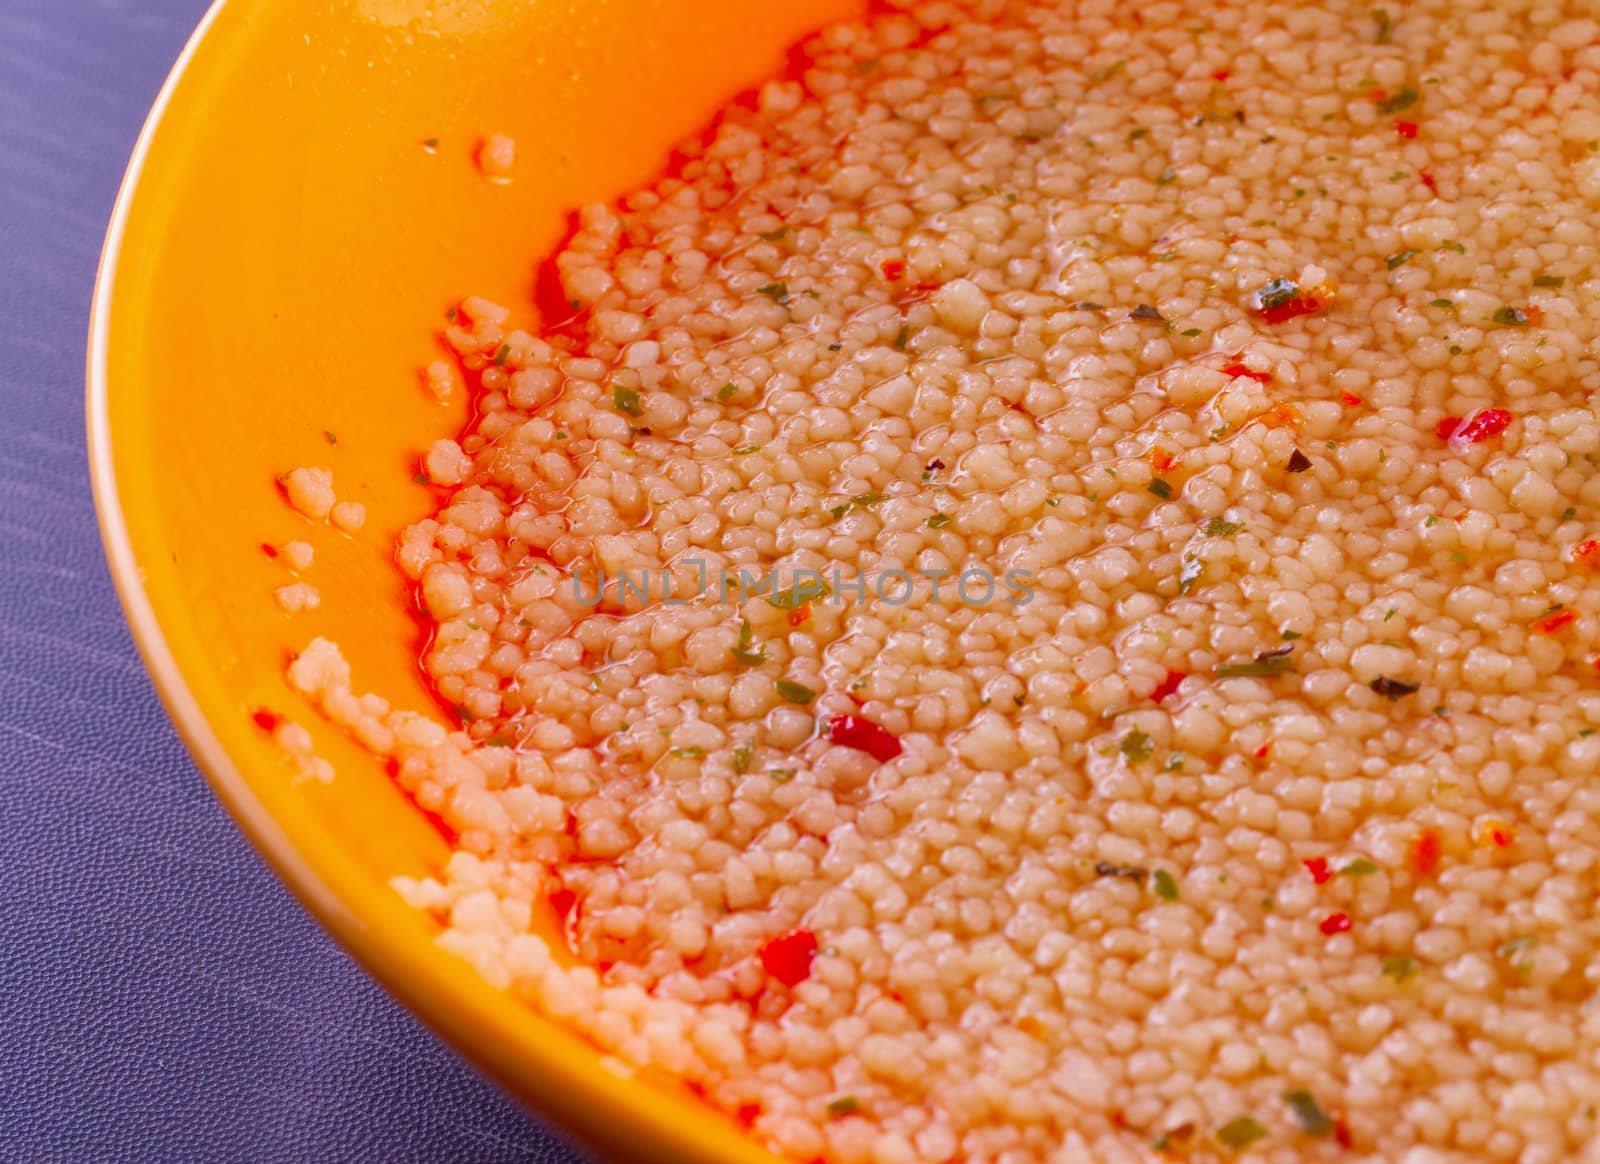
(1033, 598)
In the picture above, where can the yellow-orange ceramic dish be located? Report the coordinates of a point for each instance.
(301, 208)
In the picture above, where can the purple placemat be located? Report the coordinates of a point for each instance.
(162, 997)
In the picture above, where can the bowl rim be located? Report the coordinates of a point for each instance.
(596, 1116)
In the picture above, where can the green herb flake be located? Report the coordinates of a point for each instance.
(329, 437)
(1453, 245)
(1221, 527)
(1240, 1132)
(1511, 317)
(1290, 636)
(843, 1106)
(1568, 514)
(1380, 17)
(1137, 746)
(1136, 134)
(562, 435)
(803, 591)
(1174, 762)
(743, 653)
(773, 235)
(1399, 259)
(1400, 102)
(746, 450)
(741, 757)
(777, 292)
(430, 143)
(728, 391)
(1443, 304)
(1189, 574)
(1392, 689)
(795, 692)
(939, 521)
(1360, 867)
(625, 399)
(1263, 666)
(901, 337)
(1312, 1119)
(1553, 281)
(1191, 333)
(1277, 293)
(1167, 177)
(499, 740)
(501, 355)
(692, 752)
(421, 479)
(1399, 968)
(1166, 886)
(1160, 488)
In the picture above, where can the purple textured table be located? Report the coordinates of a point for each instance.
(162, 997)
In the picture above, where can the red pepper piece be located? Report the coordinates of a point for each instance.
(265, 720)
(1551, 623)
(1168, 686)
(854, 731)
(1221, 75)
(894, 269)
(1318, 868)
(1480, 426)
(1426, 852)
(1349, 400)
(1296, 307)
(1406, 129)
(788, 959)
(1238, 369)
(269, 549)
(1430, 182)
(1335, 923)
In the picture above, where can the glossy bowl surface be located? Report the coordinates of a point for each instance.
(302, 207)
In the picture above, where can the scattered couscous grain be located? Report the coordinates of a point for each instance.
(1215, 387)
(299, 556)
(497, 157)
(297, 597)
(348, 516)
(310, 491)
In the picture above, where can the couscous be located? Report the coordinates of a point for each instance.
(1239, 359)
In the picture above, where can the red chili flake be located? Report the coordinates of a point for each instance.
(269, 549)
(1587, 552)
(1237, 369)
(1426, 852)
(1406, 129)
(1168, 685)
(800, 616)
(265, 720)
(1429, 181)
(1161, 460)
(1496, 834)
(853, 731)
(1535, 315)
(1349, 400)
(1377, 96)
(1318, 868)
(788, 959)
(1335, 923)
(1341, 1133)
(1551, 623)
(1222, 74)
(894, 269)
(1261, 752)
(747, 1113)
(1296, 307)
(562, 901)
(1479, 427)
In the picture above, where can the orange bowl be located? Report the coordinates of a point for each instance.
(300, 210)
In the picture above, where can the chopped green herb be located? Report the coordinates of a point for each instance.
(1399, 259)
(463, 714)
(1511, 317)
(1277, 293)
(1221, 527)
(795, 692)
(939, 521)
(1191, 332)
(741, 757)
(1461, 557)
(1167, 177)
(859, 501)
(692, 752)
(781, 775)
(803, 590)
(1240, 1132)
(746, 450)
(1380, 17)
(1263, 666)
(1268, 903)
(843, 1106)
(1137, 746)
(901, 337)
(421, 479)
(1147, 313)
(562, 435)
(501, 354)
(1360, 867)
(625, 399)
(1443, 304)
(777, 292)
(1455, 349)
(1400, 102)
(1453, 245)
(1160, 488)
(1136, 134)
(430, 143)
(1053, 502)
(499, 740)
(728, 391)
(773, 235)
(1166, 886)
(1585, 733)
(329, 437)
(1568, 514)
(1312, 1119)
(1556, 281)
(1174, 762)
(1289, 636)
(745, 656)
